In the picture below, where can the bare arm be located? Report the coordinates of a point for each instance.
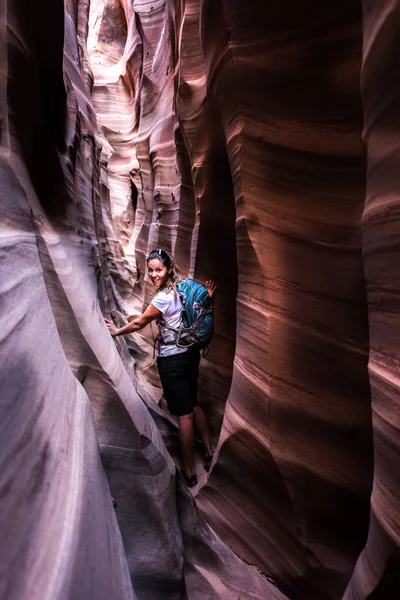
(136, 323)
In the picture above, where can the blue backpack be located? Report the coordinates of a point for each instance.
(197, 328)
(197, 324)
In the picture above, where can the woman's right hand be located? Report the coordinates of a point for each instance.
(111, 327)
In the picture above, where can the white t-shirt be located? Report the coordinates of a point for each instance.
(170, 305)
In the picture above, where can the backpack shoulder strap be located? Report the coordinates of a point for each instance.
(182, 292)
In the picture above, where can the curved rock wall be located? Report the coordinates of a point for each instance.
(377, 574)
(229, 133)
(59, 535)
(75, 423)
(248, 141)
(296, 444)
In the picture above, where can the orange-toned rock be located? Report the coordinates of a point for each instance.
(231, 134)
(75, 424)
(377, 574)
(295, 448)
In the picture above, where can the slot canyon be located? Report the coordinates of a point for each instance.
(257, 142)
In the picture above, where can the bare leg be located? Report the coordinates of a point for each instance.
(200, 423)
(186, 439)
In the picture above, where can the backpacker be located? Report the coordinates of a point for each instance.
(197, 324)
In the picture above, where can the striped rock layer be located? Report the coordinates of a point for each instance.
(75, 425)
(257, 142)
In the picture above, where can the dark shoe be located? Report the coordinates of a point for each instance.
(190, 481)
(207, 462)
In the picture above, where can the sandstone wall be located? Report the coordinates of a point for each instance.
(75, 424)
(377, 574)
(296, 444)
(231, 134)
(247, 133)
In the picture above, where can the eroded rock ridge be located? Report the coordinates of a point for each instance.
(230, 133)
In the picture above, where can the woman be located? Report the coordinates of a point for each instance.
(178, 367)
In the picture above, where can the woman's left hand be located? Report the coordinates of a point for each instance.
(211, 287)
(111, 327)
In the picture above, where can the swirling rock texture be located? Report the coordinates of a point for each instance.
(377, 574)
(295, 446)
(74, 428)
(230, 133)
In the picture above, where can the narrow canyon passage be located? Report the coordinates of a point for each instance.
(258, 143)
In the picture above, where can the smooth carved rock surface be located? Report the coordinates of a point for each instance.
(230, 133)
(75, 424)
(377, 574)
(296, 443)
(247, 132)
